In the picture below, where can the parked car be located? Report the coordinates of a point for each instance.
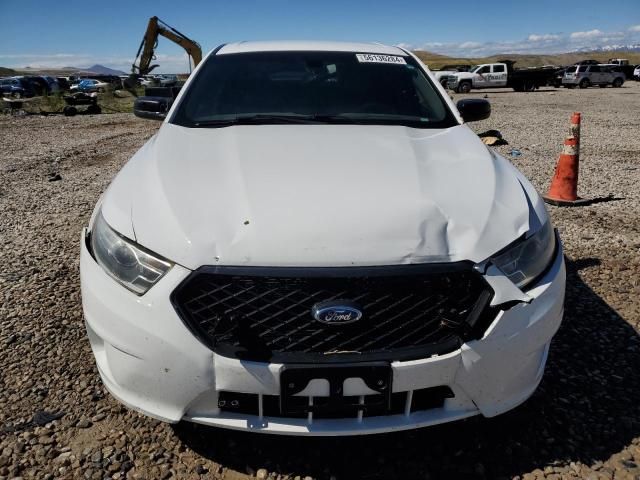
(316, 243)
(17, 87)
(556, 81)
(149, 81)
(52, 84)
(623, 65)
(39, 84)
(113, 80)
(90, 85)
(636, 72)
(585, 76)
(588, 62)
(168, 80)
(63, 83)
(500, 75)
(442, 75)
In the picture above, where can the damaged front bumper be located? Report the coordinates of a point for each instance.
(151, 362)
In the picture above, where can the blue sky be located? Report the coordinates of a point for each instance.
(81, 33)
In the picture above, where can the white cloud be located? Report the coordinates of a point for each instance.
(470, 45)
(537, 43)
(547, 37)
(534, 43)
(34, 55)
(177, 63)
(595, 33)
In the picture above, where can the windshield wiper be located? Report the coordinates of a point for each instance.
(258, 119)
(317, 118)
(373, 119)
(334, 118)
(214, 123)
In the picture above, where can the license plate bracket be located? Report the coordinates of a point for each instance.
(294, 379)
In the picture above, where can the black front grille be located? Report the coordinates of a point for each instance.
(421, 400)
(265, 314)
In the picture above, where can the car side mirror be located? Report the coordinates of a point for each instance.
(156, 102)
(153, 108)
(474, 109)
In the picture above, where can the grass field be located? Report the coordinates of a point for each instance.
(110, 102)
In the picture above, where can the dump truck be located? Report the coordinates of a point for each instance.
(501, 75)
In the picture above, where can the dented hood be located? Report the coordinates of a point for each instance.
(317, 195)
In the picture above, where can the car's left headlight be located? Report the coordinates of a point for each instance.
(133, 266)
(525, 261)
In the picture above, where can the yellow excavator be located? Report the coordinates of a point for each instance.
(146, 52)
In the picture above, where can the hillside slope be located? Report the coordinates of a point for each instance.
(436, 61)
(4, 72)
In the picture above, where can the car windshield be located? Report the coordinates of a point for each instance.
(312, 87)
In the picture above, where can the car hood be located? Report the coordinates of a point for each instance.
(464, 75)
(319, 195)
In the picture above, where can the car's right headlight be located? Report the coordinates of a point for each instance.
(525, 261)
(133, 266)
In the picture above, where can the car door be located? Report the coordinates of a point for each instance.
(595, 74)
(498, 77)
(481, 78)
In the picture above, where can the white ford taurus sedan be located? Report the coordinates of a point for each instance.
(315, 243)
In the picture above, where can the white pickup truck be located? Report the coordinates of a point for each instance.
(442, 75)
(502, 74)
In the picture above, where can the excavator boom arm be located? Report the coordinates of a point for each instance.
(191, 47)
(146, 50)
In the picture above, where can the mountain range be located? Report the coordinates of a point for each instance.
(102, 70)
(610, 48)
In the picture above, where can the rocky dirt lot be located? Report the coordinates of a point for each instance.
(57, 420)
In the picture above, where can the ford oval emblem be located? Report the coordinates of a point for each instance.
(336, 312)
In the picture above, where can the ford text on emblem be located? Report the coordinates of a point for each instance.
(336, 312)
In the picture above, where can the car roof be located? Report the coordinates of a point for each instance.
(283, 46)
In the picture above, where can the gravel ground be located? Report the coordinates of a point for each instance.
(583, 422)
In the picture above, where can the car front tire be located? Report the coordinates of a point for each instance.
(464, 87)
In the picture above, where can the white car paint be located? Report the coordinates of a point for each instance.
(490, 75)
(398, 169)
(315, 196)
(310, 46)
(442, 75)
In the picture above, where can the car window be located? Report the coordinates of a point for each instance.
(485, 69)
(582, 68)
(498, 68)
(375, 89)
(594, 68)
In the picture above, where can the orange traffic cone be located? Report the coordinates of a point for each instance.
(564, 185)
